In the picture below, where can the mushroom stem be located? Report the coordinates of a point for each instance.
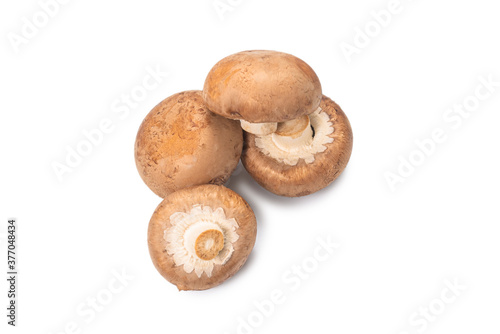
(209, 244)
(259, 129)
(204, 240)
(294, 135)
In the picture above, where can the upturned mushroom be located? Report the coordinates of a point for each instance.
(181, 143)
(302, 157)
(199, 237)
(261, 89)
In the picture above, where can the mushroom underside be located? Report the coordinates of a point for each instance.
(223, 237)
(302, 176)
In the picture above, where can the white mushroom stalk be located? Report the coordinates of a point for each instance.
(204, 239)
(295, 140)
(294, 135)
(200, 239)
(260, 129)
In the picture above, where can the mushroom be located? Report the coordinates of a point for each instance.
(300, 159)
(199, 237)
(181, 143)
(262, 88)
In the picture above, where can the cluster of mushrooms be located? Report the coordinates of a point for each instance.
(263, 107)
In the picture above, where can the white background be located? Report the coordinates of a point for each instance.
(397, 247)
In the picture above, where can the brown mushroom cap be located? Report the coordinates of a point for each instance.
(181, 143)
(234, 206)
(262, 86)
(303, 178)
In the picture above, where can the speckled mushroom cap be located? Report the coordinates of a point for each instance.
(262, 86)
(179, 213)
(181, 143)
(303, 178)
